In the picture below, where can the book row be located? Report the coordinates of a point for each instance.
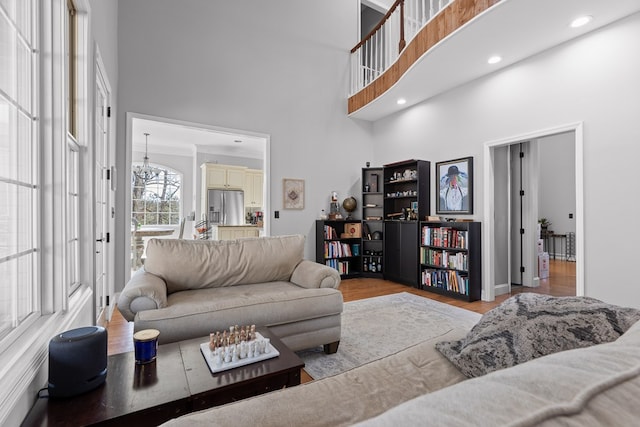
(446, 279)
(443, 258)
(330, 232)
(446, 237)
(340, 250)
(343, 267)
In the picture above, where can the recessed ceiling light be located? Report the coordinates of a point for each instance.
(401, 101)
(237, 141)
(494, 59)
(583, 20)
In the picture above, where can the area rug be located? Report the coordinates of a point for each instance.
(377, 327)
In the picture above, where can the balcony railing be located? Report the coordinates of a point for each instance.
(382, 46)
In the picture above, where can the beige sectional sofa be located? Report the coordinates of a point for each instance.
(188, 289)
(597, 385)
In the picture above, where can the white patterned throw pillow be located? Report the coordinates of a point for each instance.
(529, 325)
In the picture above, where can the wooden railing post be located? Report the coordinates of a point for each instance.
(402, 43)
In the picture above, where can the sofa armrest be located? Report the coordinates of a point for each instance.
(309, 274)
(144, 291)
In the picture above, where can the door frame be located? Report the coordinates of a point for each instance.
(488, 287)
(108, 293)
(130, 116)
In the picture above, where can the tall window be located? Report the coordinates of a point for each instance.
(72, 153)
(19, 186)
(72, 55)
(155, 196)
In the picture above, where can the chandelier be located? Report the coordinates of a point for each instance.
(145, 170)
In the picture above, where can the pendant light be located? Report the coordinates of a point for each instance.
(146, 170)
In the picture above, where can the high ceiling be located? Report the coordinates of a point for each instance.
(512, 29)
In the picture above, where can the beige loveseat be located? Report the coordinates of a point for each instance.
(188, 289)
(597, 385)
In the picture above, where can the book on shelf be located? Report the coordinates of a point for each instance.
(446, 237)
(443, 258)
(337, 249)
(330, 232)
(448, 280)
(343, 267)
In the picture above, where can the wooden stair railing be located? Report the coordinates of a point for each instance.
(376, 67)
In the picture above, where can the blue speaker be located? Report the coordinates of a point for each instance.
(77, 361)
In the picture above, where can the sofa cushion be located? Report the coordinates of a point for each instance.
(196, 313)
(529, 325)
(593, 386)
(197, 264)
(343, 399)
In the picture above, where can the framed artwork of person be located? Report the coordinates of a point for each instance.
(454, 186)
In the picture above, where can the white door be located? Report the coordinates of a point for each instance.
(102, 218)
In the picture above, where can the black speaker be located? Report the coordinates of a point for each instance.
(77, 361)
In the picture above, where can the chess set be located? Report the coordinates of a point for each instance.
(236, 347)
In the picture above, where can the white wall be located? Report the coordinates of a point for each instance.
(278, 68)
(593, 79)
(557, 183)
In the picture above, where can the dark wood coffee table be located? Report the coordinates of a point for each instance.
(176, 383)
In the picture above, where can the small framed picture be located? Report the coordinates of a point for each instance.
(414, 206)
(454, 186)
(292, 193)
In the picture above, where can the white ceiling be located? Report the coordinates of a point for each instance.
(179, 139)
(513, 29)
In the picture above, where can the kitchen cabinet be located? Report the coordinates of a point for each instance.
(253, 183)
(223, 177)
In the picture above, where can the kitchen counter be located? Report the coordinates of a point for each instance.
(232, 232)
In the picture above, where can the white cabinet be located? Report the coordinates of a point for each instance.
(223, 176)
(253, 183)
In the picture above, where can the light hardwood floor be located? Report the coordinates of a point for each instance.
(561, 282)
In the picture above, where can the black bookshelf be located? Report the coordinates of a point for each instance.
(337, 249)
(451, 259)
(406, 194)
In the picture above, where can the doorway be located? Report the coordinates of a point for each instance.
(183, 147)
(512, 184)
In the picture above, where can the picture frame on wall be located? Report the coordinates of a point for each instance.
(454, 186)
(292, 193)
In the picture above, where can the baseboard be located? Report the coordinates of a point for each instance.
(501, 289)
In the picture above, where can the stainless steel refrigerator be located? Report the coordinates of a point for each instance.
(226, 207)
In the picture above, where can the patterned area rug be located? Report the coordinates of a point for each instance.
(377, 327)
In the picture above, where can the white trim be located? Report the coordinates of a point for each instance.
(488, 287)
(100, 77)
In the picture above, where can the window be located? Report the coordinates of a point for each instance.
(72, 227)
(155, 195)
(73, 206)
(71, 42)
(19, 187)
(44, 191)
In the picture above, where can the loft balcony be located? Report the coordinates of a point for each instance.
(422, 48)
